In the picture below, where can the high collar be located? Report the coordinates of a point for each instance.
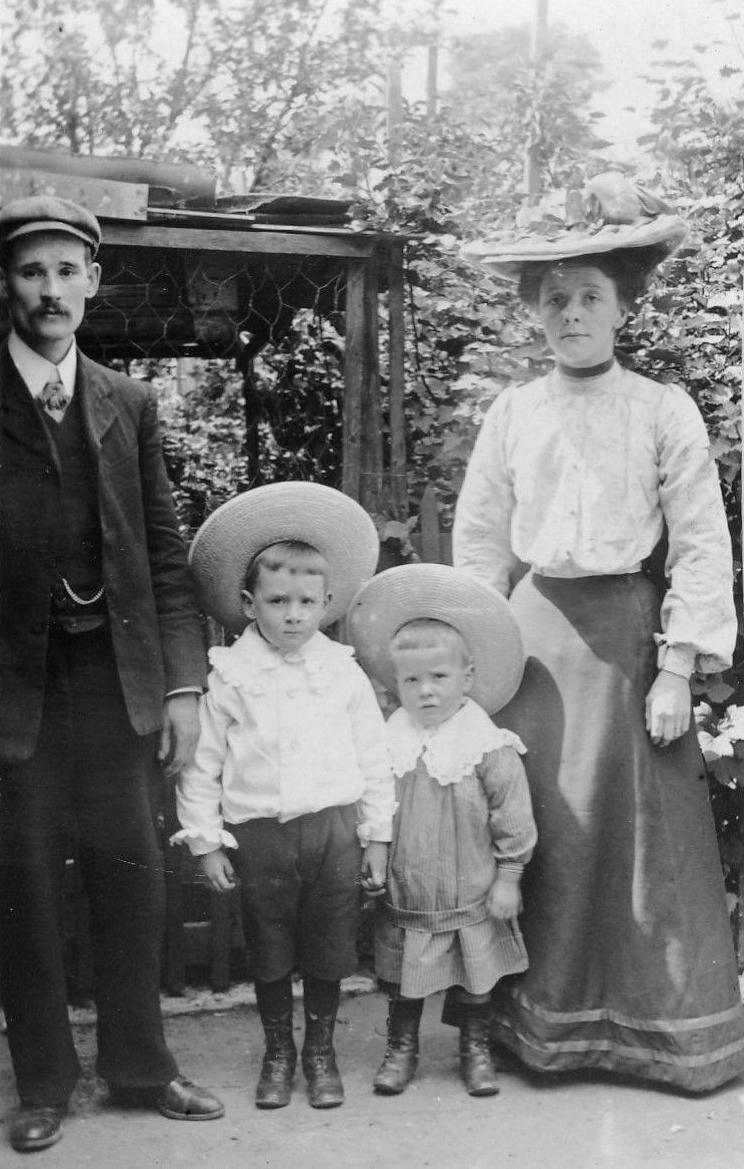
(582, 373)
(267, 656)
(36, 371)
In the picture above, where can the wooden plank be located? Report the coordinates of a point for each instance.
(214, 240)
(353, 380)
(103, 197)
(396, 385)
(370, 488)
(429, 523)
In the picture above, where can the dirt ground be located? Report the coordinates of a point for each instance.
(565, 1124)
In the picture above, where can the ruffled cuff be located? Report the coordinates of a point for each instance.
(675, 659)
(368, 831)
(201, 843)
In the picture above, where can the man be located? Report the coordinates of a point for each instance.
(101, 662)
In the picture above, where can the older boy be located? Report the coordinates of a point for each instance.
(291, 767)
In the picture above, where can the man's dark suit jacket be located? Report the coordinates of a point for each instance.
(154, 625)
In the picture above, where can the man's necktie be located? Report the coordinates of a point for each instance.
(55, 398)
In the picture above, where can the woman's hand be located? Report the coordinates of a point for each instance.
(504, 898)
(667, 708)
(217, 869)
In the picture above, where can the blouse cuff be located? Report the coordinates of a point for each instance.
(201, 843)
(367, 831)
(509, 871)
(675, 659)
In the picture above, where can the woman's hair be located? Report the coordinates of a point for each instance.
(294, 555)
(629, 269)
(428, 633)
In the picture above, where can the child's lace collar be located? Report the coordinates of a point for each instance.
(451, 750)
(252, 658)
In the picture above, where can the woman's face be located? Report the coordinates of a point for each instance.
(580, 313)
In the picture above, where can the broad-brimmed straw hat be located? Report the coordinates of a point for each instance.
(611, 214)
(481, 616)
(228, 542)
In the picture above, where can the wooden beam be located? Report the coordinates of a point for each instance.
(371, 486)
(532, 182)
(101, 196)
(395, 109)
(429, 521)
(352, 246)
(396, 385)
(353, 380)
(432, 81)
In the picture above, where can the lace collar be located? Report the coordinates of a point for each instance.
(451, 750)
(251, 660)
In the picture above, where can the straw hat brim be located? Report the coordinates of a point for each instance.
(481, 615)
(231, 538)
(507, 258)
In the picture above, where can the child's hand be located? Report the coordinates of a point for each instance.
(217, 869)
(504, 899)
(374, 868)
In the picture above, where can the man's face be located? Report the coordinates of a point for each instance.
(48, 278)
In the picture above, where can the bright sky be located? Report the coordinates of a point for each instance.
(623, 31)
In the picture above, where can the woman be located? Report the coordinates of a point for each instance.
(578, 475)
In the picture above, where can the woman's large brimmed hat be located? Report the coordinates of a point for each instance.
(229, 541)
(481, 616)
(610, 215)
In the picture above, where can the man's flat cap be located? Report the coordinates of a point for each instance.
(48, 213)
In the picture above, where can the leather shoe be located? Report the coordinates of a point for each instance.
(36, 1128)
(183, 1100)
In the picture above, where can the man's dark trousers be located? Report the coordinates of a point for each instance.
(90, 780)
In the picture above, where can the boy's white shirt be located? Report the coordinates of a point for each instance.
(284, 735)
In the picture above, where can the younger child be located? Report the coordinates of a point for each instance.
(464, 830)
(291, 768)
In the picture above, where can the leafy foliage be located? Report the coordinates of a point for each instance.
(290, 94)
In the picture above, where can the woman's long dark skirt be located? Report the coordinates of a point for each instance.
(631, 960)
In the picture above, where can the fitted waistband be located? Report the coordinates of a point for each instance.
(632, 570)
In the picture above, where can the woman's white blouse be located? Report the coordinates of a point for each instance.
(283, 735)
(577, 477)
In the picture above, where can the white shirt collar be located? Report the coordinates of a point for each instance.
(36, 371)
(268, 656)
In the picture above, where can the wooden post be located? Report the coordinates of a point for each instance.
(429, 521)
(353, 379)
(431, 81)
(370, 486)
(395, 109)
(532, 153)
(252, 416)
(396, 385)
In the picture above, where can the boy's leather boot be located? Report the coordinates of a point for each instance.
(324, 1087)
(476, 1066)
(401, 1054)
(274, 1088)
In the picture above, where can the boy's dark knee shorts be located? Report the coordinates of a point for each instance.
(300, 892)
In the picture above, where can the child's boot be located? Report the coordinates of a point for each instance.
(476, 1066)
(401, 1054)
(274, 1088)
(324, 1087)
